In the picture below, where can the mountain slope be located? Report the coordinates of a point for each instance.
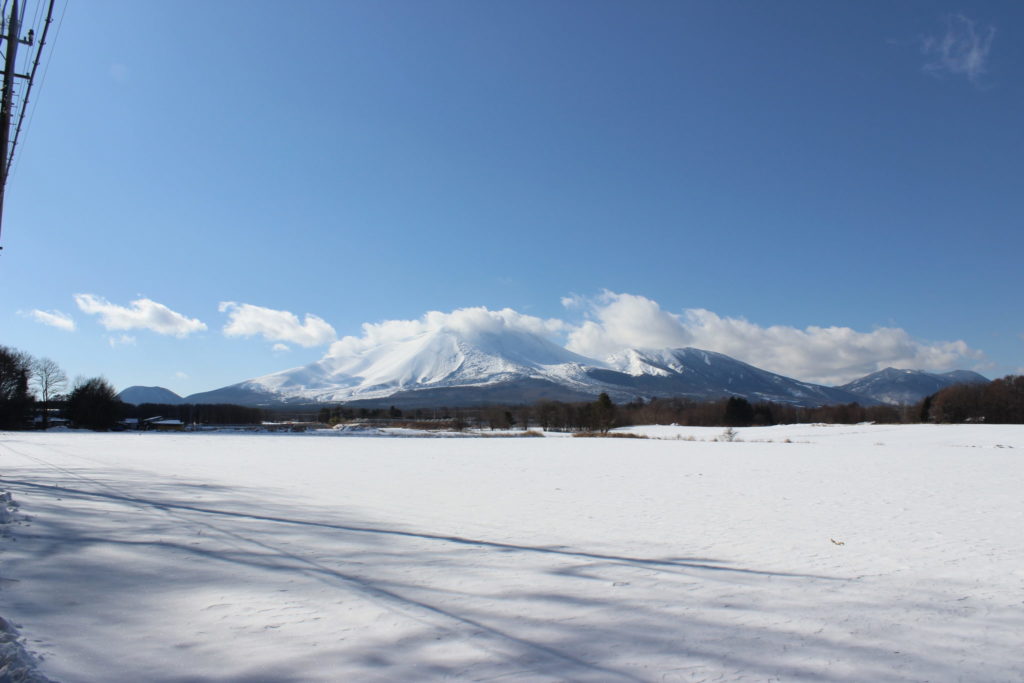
(908, 386)
(704, 375)
(137, 395)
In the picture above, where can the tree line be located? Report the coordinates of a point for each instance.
(197, 413)
(24, 380)
(34, 392)
(1001, 401)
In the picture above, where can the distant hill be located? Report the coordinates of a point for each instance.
(897, 387)
(138, 395)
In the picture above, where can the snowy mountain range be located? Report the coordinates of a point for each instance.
(444, 366)
(908, 386)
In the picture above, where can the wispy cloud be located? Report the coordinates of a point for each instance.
(142, 314)
(122, 340)
(247, 320)
(962, 50)
(281, 347)
(61, 321)
(829, 355)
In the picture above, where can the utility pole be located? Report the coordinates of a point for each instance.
(12, 38)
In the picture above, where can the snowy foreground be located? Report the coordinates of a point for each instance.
(853, 553)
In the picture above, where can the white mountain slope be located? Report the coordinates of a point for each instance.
(433, 359)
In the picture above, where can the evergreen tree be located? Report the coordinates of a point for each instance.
(604, 413)
(738, 412)
(15, 398)
(93, 404)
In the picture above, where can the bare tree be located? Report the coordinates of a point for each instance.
(48, 380)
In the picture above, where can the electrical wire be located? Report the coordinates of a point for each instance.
(42, 80)
(31, 79)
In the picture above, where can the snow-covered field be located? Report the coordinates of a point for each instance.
(852, 553)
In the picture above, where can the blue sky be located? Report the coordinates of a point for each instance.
(786, 168)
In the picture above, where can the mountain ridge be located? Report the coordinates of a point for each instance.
(897, 387)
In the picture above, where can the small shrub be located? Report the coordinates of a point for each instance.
(729, 435)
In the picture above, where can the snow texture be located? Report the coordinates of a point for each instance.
(824, 553)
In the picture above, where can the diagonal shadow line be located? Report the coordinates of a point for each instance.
(368, 587)
(681, 563)
(315, 568)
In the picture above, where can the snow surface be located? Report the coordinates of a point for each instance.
(852, 553)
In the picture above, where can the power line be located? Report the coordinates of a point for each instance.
(42, 80)
(31, 79)
(9, 100)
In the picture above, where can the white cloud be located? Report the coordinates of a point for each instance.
(573, 301)
(469, 322)
(281, 347)
(123, 340)
(828, 355)
(181, 375)
(961, 50)
(246, 320)
(142, 314)
(61, 321)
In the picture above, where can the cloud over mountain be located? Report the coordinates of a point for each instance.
(469, 322)
(247, 320)
(827, 355)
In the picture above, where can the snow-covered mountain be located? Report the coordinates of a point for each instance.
(908, 386)
(448, 366)
(698, 374)
(439, 360)
(137, 395)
